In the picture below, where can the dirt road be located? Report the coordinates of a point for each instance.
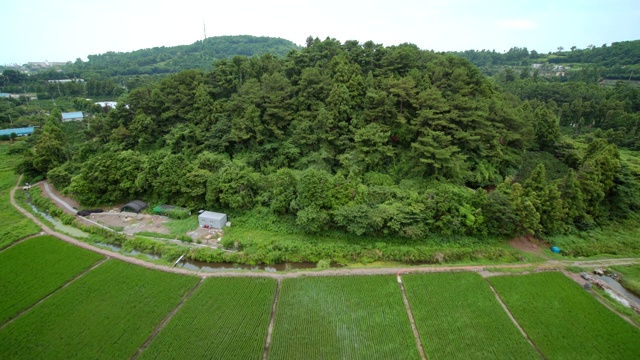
(549, 265)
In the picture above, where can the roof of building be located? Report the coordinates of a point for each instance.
(18, 131)
(212, 215)
(135, 205)
(72, 115)
(111, 104)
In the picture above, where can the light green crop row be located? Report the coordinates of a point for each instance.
(34, 268)
(564, 321)
(225, 318)
(106, 314)
(342, 318)
(459, 317)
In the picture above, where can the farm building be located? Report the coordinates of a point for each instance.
(72, 116)
(134, 206)
(18, 131)
(212, 219)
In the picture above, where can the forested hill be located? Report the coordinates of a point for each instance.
(620, 60)
(366, 139)
(199, 55)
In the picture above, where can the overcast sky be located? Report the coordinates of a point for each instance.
(65, 30)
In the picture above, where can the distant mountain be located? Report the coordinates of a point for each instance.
(199, 55)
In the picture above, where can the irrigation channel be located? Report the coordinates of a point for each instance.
(288, 270)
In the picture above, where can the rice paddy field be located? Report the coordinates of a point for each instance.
(94, 308)
(564, 321)
(106, 314)
(225, 318)
(346, 317)
(459, 317)
(35, 268)
(13, 226)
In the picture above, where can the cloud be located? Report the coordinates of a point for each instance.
(517, 24)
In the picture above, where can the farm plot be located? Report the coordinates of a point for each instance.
(108, 313)
(563, 320)
(225, 318)
(13, 225)
(34, 268)
(459, 317)
(342, 318)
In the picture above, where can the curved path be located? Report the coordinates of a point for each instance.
(57, 199)
(549, 265)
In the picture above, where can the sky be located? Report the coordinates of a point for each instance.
(65, 30)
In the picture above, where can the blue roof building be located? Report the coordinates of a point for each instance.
(19, 131)
(72, 116)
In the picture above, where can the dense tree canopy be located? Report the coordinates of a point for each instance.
(358, 137)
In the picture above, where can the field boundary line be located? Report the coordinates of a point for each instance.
(165, 321)
(41, 233)
(76, 277)
(412, 320)
(515, 322)
(267, 342)
(601, 299)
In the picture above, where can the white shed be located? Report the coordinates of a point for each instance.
(212, 219)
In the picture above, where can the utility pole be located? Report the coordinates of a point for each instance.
(205, 29)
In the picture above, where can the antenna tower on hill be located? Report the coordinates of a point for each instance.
(205, 29)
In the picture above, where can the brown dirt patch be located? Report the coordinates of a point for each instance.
(131, 223)
(527, 244)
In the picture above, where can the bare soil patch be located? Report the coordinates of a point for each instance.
(527, 244)
(131, 223)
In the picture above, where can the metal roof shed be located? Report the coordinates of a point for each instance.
(134, 206)
(72, 116)
(212, 219)
(18, 131)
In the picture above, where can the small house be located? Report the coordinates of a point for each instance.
(72, 116)
(212, 219)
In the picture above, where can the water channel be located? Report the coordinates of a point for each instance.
(57, 224)
(613, 284)
(212, 267)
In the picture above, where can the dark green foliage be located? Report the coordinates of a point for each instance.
(198, 55)
(358, 138)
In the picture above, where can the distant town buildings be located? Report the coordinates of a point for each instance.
(62, 81)
(29, 96)
(44, 64)
(109, 104)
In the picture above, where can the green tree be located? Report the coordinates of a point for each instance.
(50, 147)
